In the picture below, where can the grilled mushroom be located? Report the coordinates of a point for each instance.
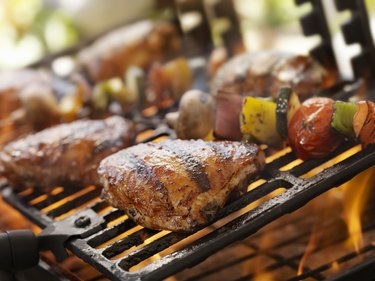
(195, 117)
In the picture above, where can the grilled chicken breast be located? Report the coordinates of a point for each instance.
(139, 44)
(175, 184)
(64, 154)
(262, 74)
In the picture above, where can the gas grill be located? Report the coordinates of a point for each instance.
(78, 220)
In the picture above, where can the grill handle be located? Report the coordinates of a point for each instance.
(18, 250)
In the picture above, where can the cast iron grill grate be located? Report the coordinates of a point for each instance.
(120, 248)
(276, 252)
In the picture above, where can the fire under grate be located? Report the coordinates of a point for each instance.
(122, 250)
(276, 251)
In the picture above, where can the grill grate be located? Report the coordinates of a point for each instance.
(122, 246)
(281, 253)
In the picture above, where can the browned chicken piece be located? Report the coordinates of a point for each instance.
(139, 45)
(34, 97)
(21, 92)
(12, 83)
(64, 154)
(177, 185)
(262, 73)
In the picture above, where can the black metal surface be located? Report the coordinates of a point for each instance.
(357, 30)
(231, 37)
(18, 250)
(83, 224)
(315, 23)
(298, 192)
(197, 40)
(365, 271)
(41, 272)
(279, 247)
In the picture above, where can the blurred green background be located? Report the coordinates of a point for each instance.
(31, 28)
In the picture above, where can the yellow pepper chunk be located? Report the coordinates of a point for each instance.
(258, 119)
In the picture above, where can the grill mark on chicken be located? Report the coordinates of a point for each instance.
(130, 187)
(262, 73)
(192, 164)
(223, 152)
(145, 172)
(67, 154)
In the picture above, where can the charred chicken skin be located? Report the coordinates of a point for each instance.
(64, 154)
(139, 44)
(261, 74)
(177, 185)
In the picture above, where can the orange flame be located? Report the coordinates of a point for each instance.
(310, 248)
(355, 197)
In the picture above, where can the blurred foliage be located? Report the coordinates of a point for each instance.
(371, 6)
(278, 12)
(28, 30)
(275, 13)
(269, 13)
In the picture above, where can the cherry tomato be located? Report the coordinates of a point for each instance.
(309, 132)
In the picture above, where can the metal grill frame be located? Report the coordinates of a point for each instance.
(299, 191)
(278, 261)
(362, 271)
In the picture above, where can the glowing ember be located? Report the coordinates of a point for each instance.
(333, 161)
(150, 111)
(278, 154)
(353, 196)
(335, 266)
(144, 135)
(264, 276)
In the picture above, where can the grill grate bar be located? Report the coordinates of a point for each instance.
(363, 271)
(35, 194)
(309, 165)
(298, 192)
(100, 205)
(109, 233)
(328, 266)
(339, 238)
(113, 214)
(252, 221)
(221, 267)
(163, 242)
(53, 199)
(34, 215)
(281, 261)
(291, 262)
(135, 239)
(151, 249)
(68, 206)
